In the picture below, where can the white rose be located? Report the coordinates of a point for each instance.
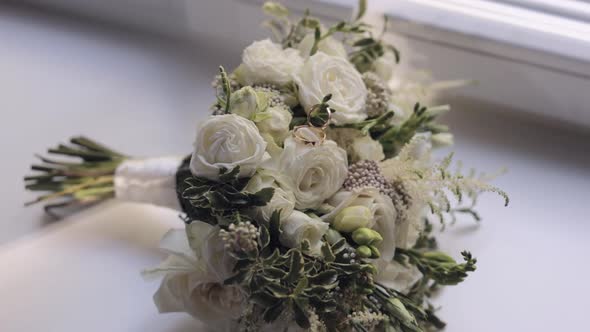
(194, 273)
(382, 219)
(323, 74)
(276, 124)
(397, 276)
(282, 200)
(299, 227)
(385, 65)
(227, 141)
(267, 62)
(314, 173)
(330, 46)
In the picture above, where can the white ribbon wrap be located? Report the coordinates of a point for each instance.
(151, 180)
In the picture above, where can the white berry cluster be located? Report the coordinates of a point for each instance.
(377, 95)
(242, 236)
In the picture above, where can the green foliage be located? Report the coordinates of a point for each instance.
(421, 120)
(217, 202)
(279, 280)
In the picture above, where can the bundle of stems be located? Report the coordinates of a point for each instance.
(75, 183)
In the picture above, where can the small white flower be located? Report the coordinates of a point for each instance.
(283, 199)
(227, 141)
(330, 46)
(299, 227)
(385, 65)
(314, 173)
(323, 74)
(382, 219)
(267, 62)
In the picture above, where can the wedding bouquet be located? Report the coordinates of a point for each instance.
(309, 194)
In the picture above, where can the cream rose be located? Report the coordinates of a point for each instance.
(282, 200)
(194, 273)
(267, 62)
(227, 141)
(314, 173)
(323, 74)
(330, 46)
(299, 227)
(383, 215)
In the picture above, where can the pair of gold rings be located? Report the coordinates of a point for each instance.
(319, 132)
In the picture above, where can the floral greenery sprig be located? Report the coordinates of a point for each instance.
(218, 202)
(421, 120)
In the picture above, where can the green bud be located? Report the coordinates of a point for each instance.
(397, 308)
(333, 236)
(372, 269)
(248, 103)
(351, 218)
(438, 256)
(375, 253)
(364, 251)
(364, 236)
(377, 238)
(274, 9)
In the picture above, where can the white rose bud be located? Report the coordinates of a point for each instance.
(314, 173)
(247, 102)
(352, 218)
(330, 46)
(276, 124)
(227, 141)
(267, 62)
(323, 74)
(385, 65)
(282, 200)
(299, 227)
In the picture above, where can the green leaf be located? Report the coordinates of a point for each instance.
(324, 278)
(275, 273)
(301, 286)
(272, 313)
(264, 238)
(239, 277)
(278, 290)
(229, 176)
(262, 197)
(364, 42)
(295, 266)
(362, 9)
(300, 315)
(327, 252)
(263, 299)
(338, 246)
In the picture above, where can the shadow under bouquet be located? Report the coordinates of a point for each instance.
(309, 194)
